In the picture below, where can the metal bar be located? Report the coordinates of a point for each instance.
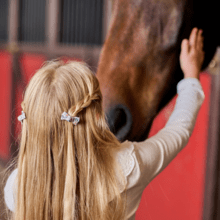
(4, 20)
(23, 22)
(72, 15)
(89, 21)
(34, 10)
(28, 32)
(98, 21)
(38, 9)
(92, 24)
(67, 21)
(40, 37)
(64, 18)
(85, 27)
(44, 22)
(81, 22)
(76, 21)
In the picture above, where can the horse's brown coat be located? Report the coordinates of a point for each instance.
(139, 64)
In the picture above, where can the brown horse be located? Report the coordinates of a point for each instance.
(139, 64)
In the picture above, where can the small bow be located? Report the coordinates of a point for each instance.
(67, 117)
(21, 117)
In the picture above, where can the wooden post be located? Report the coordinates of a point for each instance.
(15, 71)
(211, 208)
(52, 28)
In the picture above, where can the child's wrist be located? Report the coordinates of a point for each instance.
(186, 77)
(193, 74)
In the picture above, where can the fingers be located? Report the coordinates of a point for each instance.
(200, 40)
(193, 38)
(196, 39)
(185, 46)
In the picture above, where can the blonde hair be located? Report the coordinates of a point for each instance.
(65, 171)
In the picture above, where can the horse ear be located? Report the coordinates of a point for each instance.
(171, 29)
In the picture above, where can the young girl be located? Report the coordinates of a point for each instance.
(70, 166)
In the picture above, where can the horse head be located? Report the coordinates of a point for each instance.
(139, 64)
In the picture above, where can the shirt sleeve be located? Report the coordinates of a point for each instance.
(9, 190)
(157, 152)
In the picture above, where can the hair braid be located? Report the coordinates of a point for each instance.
(84, 103)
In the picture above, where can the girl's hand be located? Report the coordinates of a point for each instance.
(192, 54)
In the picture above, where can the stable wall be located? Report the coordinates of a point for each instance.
(175, 194)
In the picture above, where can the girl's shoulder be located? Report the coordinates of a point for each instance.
(10, 190)
(125, 157)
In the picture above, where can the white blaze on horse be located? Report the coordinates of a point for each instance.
(139, 65)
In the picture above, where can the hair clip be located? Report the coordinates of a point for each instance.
(21, 117)
(67, 117)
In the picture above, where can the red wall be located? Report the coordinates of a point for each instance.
(177, 193)
(5, 96)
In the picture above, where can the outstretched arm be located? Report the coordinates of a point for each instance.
(158, 151)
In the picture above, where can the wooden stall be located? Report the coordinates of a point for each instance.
(35, 31)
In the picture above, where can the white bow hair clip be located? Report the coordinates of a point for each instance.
(67, 117)
(21, 117)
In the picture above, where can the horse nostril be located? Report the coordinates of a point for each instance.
(120, 121)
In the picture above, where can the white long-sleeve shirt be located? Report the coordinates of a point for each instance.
(143, 161)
